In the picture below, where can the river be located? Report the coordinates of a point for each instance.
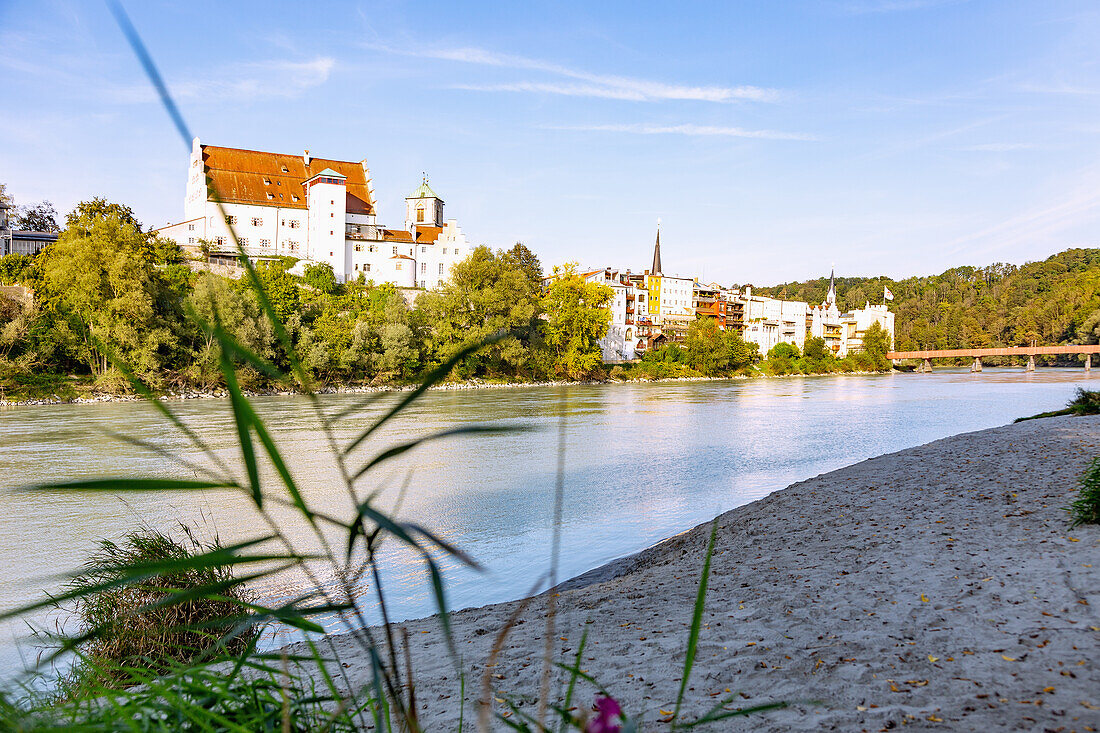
(642, 462)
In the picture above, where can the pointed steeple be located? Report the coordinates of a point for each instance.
(657, 252)
(830, 299)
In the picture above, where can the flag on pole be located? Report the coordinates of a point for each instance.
(886, 294)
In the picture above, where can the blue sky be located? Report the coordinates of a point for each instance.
(773, 139)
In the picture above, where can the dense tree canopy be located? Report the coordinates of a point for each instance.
(1053, 301)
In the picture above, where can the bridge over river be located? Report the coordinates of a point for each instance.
(1030, 352)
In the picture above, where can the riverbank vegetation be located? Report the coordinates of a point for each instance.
(168, 630)
(107, 286)
(1054, 301)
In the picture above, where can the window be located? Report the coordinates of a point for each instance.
(397, 266)
(190, 240)
(440, 268)
(294, 196)
(456, 250)
(285, 169)
(265, 242)
(257, 221)
(422, 249)
(423, 283)
(444, 250)
(230, 219)
(371, 248)
(190, 227)
(358, 248)
(294, 223)
(220, 241)
(420, 213)
(291, 245)
(395, 250)
(243, 241)
(331, 214)
(367, 267)
(357, 266)
(331, 232)
(332, 202)
(423, 267)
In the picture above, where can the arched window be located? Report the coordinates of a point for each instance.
(420, 213)
(629, 334)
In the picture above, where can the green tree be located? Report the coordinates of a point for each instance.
(485, 294)
(707, 350)
(100, 279)
(321, 277)
(280, 286)
(783, 359)
(576, 319)
(42, 217)
(876, 343)
(100, 208)
(215, 300)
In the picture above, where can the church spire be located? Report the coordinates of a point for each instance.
(657, 251)
(830, 299)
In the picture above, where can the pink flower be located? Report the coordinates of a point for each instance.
(608, 716)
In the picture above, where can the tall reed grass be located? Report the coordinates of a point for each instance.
(170, 628)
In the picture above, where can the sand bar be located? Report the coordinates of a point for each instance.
(935, 588)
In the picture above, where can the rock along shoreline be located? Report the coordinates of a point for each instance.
(937, 588)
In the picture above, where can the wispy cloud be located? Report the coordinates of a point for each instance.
(608, 86)
(1075, 206)
(998, 147)
(691, 130)
(245, 82)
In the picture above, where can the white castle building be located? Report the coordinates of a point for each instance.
(316, 210)
(843, 332)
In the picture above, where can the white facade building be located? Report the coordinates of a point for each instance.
(316, 210)
(621, 341)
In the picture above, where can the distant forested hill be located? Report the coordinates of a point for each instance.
(1050, 302)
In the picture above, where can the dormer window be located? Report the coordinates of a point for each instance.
(285, 169)
(270, 195)
(294, 196)
(267, 181)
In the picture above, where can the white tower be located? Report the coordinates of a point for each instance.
(423, 207)
(326, 201)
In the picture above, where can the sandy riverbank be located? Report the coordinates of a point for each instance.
(935, 588)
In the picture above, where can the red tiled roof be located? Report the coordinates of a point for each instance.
(239, 177)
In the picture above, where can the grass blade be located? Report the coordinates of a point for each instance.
(696, 623)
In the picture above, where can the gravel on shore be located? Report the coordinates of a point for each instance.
(937, 588)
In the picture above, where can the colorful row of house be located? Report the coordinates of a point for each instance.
(651, 308)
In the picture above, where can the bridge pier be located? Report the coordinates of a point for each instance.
(977, 365)
(926, 366)
(1088, 363)
(1031, 362)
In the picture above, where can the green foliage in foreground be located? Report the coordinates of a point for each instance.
(1086, 508)
(275, 695)
(159, 621)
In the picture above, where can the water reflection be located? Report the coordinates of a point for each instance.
(644, 461)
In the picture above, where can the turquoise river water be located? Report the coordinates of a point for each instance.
(642, 462)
